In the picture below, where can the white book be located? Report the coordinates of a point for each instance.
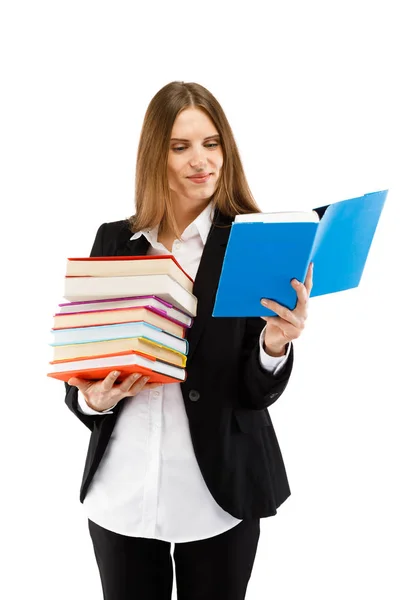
(289, 216)
(100, 333)
(97, 288)
(113, 266)
(112, 362)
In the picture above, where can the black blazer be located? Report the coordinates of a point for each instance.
(226, 393)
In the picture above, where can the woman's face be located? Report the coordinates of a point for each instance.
(195, 149)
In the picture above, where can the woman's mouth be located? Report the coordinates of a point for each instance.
(200, 178)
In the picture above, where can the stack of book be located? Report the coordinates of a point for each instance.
(124, 313)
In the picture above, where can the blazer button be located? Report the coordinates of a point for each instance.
(194, 395)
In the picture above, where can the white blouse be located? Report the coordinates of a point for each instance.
(148, 483)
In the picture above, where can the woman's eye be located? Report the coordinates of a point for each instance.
(180, 148)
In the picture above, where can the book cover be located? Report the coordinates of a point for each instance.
(98, 288)
(141, 344)
(122, 266)
(102, 372)
(126, 362)
(262, 258)
(101, 333)
(154, 303)
(151, 257)
(116, 316)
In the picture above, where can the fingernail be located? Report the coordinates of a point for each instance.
(265, 302)
(116, 373)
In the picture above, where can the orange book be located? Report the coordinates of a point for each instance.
(99, 367)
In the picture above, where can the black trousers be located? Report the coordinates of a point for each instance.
(216, 568)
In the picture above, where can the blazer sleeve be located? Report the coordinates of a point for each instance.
(71, 392)
(259, 387)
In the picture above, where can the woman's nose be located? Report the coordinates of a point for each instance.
(198, 158)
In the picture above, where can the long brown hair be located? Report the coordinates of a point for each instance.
(152, 194)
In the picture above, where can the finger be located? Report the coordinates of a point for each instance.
(129, 381)
(272, 320)
(289, 332)
(302, 295)
(277, 322)
(309, 278)
(139, 384)
(109, 381)
(300, 310)
(285, 313)
(81, 384)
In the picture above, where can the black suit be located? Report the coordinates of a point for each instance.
(226, 392)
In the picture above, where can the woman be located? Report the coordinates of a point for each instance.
(195, 463)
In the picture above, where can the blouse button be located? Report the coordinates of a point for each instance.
(194, 395)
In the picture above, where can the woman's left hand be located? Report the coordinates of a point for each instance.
(289, 324)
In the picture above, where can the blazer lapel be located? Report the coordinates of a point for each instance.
(207, 277)
(127, 247)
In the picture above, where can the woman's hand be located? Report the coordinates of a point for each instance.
(102, 394)
(289, 324)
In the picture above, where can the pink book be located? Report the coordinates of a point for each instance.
(153, 303)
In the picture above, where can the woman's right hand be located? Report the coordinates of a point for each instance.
(102, 394)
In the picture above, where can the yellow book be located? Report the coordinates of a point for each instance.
(74, 351)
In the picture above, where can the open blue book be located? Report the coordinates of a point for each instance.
(265, 251)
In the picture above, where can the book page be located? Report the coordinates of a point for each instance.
(279, 217)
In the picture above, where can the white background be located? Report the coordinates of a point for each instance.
(311, 92)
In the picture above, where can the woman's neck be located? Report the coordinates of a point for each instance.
(184, 216)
